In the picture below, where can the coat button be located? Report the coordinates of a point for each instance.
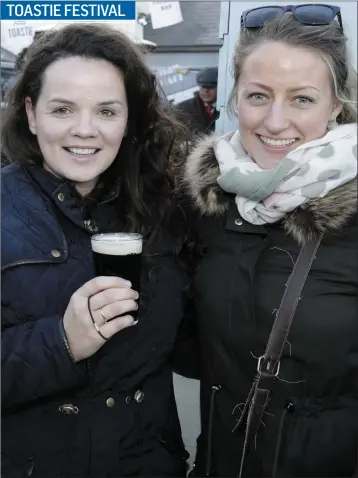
(56, 253)
(139, 396)
(68, 409)
(61, 197)
(110, 402)
(239, 222)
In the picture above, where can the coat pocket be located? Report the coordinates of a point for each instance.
(320, 442)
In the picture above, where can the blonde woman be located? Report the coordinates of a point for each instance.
(285, 182)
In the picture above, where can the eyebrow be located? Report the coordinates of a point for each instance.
(102, 103)
(303, 87)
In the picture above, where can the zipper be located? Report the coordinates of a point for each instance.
(88, 366)
(214, 390)
(90, 381)
(31, 466)
(288, 408)
(252, 279)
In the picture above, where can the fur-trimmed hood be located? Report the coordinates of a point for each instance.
(329, 213)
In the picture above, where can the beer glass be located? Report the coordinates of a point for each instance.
(119, 254)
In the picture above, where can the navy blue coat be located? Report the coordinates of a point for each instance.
(114, 414)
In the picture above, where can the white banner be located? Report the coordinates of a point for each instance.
(16, 35)
(165, 14)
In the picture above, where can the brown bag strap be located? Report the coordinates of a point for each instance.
(268, 366)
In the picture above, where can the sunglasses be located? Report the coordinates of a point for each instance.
(308, 14)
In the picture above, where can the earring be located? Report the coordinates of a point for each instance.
(332, 122)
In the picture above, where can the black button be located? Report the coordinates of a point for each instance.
(290, 407)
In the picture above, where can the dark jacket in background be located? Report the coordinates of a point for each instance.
(193, 114)
(311, 425)
(113, 414)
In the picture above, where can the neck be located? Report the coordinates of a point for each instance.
(85, 188)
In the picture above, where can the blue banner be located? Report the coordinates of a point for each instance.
(67, 10)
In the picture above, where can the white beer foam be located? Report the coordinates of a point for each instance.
(119, 244)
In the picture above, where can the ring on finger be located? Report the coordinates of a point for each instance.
(98, 330)
(104, 317)
(93, 321)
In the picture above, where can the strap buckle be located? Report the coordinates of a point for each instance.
(267, 366)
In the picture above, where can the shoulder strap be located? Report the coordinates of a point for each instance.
(281, 327)
(268, 366)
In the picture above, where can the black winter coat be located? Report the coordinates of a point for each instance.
(311, 425)
(193, 114)
(114, 414)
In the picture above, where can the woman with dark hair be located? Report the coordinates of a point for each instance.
(86, 390)
(20, 59)
(276, 285)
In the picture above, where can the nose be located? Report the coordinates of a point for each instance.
(277, 118)
(84, 126)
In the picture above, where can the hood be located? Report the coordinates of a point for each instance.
(329, 213)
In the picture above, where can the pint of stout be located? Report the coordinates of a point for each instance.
(119, 254)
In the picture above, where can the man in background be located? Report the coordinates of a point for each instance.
(199, 113)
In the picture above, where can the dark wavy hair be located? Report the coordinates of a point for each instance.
(20, 59)
(155, 141)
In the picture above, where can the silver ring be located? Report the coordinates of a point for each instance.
(93, 321)
(104, 317)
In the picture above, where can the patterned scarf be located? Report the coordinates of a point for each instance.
(310, 171)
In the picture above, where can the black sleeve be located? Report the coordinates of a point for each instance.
(36, 362)
(186, 354)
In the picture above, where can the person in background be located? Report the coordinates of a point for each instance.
(92, 152)
(199, 113)
(284, 182)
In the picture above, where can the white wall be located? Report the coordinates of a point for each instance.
(229, 30)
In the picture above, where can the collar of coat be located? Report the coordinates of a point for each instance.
(315, 216)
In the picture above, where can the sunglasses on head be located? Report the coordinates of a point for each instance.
(308, 14)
